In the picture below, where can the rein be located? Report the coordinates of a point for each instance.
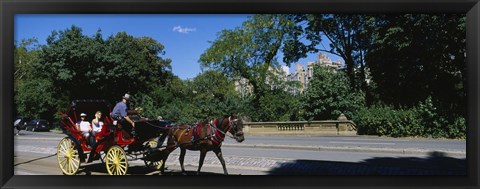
(158, 126)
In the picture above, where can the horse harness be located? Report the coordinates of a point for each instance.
(213, 132)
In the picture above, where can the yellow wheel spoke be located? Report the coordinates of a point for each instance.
(123, 166)
(110, 156)
(67, 156)
(62, 153)
(69, 166)
(63, 159)
(76, 161)
(63, 145)
(116, 161)
(63, 163)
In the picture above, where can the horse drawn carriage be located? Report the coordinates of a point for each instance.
(112, 144)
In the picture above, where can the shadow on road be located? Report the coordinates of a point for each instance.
(36, 159)
(99, 168)
(435, 164)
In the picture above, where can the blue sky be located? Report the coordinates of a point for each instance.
(185, 36)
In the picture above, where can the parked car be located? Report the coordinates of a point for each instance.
(38, 125)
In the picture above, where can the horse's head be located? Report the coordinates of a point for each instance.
(237, 128)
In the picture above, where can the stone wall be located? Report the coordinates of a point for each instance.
(325, 128)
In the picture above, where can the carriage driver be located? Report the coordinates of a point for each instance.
(119, 114)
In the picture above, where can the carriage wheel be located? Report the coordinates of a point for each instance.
(116, 161)
(156, 165)
(67, 156)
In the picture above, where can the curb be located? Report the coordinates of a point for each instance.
(320, 148)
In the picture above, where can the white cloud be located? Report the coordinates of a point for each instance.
(185, 30)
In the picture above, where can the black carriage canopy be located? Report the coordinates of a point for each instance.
(89, 107)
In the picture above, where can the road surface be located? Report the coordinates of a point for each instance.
(276, 155)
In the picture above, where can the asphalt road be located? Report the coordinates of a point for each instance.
(418, 146)
(35, 154)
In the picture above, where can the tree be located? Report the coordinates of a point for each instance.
(249, 51)
(92, 67)
(278, 105)
(415, 56)
(25, 54)
(349, 37)
(328, 95)
(73, 65)
(214, 95)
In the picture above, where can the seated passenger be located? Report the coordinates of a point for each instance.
(85, 128)
(97, 124)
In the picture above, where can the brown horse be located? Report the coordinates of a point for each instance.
(203, 137)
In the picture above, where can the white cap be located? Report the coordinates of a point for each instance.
(126, 96)
(83, 114)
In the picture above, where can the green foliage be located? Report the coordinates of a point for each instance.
(74, 66)
(277, 105)
(349, 39)
(25, 54)
(426, 57)
(207, 96)
(250, 51)
(416, 63)
(329, 94)
(34, 97)
(458, 129)
(422, 120)
(385, 120)
(437, 125)
(91, 67)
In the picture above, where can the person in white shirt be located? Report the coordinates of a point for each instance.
(97, 124)
(85, 128)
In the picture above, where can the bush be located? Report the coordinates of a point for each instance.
(423, 120)
(385, 120)
(437, 125)
(458, 129)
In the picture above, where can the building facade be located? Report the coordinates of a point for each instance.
(303, 76)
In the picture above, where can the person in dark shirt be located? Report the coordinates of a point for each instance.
(120, 115)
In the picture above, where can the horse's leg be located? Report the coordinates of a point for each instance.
(165, 157)
(218, 152)
(203, 153)
(182, 157)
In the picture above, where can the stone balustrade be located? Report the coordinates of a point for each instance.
(325, 127)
